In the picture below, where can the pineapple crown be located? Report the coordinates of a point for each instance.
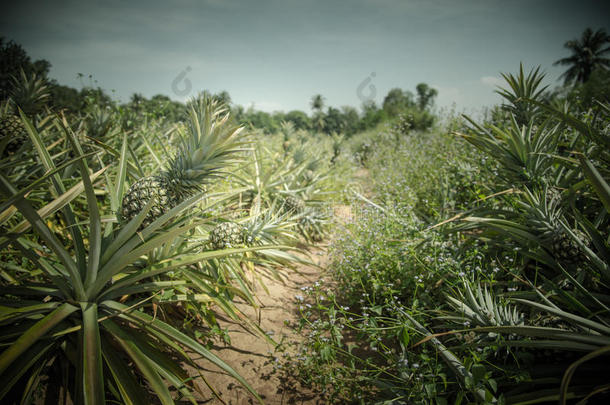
(267, 227)
(287, 129)
(544, 209)
(29, 93)
(209, 143)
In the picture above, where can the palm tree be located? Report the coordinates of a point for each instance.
(317, 102)
(587, 55)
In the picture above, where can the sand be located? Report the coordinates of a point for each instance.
(251, 355)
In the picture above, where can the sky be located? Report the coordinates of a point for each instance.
(275, 55)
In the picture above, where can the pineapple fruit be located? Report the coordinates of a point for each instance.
(210, 143)
(157, 187)
(227, 235)
(566, 249)
(294, 205)
(13, 133)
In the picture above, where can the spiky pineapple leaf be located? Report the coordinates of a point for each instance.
(599, 184)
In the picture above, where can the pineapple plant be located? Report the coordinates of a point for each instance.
(308, 174)
(99, 121)
(311, 225)
(287, 129)
(112, 349)
(545, 215)
(227, 235)
(337, 143)
(28, 94)
(210, 143)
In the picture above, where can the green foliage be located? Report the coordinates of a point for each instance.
(14, 60)
(29, 93)
(545, 223)
(317, 102)
(425, 96)
(78, 273)
(485, 266)
(472, 267)
(397, 101)
(588, 54)
(351, 120)
(333, 121)
(522, 88)
(262, 120)
(371, 116)
(597, 87)
(81, 291)
(65, 98)
(360, 325)
(299, 119)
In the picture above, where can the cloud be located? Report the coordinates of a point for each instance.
(491, 81)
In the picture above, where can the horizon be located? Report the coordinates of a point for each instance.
(274, 56)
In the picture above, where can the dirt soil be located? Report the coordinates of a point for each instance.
(251, 355)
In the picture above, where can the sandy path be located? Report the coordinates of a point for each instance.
(252, 356)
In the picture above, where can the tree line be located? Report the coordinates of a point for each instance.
(586, 78)
(15, 63)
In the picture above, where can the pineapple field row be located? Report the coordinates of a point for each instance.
(475, 267)
(121, 253)
(463, 263)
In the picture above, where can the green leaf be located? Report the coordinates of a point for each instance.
(122, 259)
(567, 377)
(58, 188)
(33, 334)
(143, 363)
(576, 123)
(129, 388)
(185, 261)
(93, 377)
(599, 184)
(579, 320)
(549, 333)
(122, 173)
(23, 364)
(13, 314)
(448, 357)
(478, 372)
(45, 233)
(95, 225)
(150, 149)
(10, 201)
(156, 326)
(58, 203)
(126, 233)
